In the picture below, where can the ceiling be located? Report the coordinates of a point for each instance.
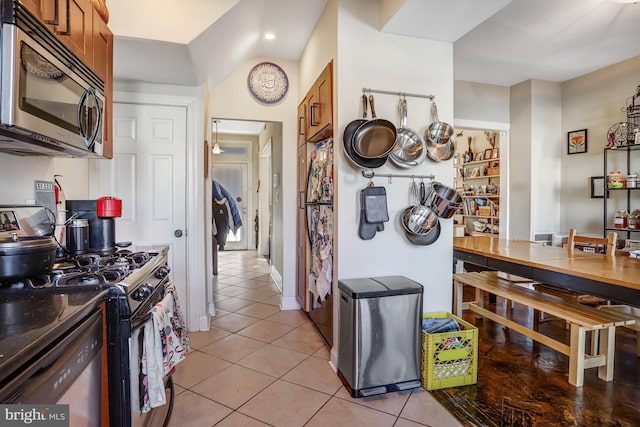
(500, 42)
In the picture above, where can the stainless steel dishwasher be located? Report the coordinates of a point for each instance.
(379, 334)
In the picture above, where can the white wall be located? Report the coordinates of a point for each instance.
(369, 58)
(18, 173)
(480, 102)
(520, 160)
(546, 148)
(594, 102)
(231, 100)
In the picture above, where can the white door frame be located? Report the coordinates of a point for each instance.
(194, 302)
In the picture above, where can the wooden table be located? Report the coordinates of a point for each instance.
(613, 278)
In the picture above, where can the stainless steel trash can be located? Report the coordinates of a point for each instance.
(380, 322)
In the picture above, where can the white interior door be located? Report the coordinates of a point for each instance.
(234, 177)
(148, 174)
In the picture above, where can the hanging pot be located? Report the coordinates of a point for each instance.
(439, 138)
(424, 239)
(443, 200)
(375, 138)
(409, 148)
(347, 138)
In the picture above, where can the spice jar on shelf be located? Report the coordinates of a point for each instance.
(620, 219)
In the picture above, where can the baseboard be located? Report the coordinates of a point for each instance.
(276, 277)
(204, 323)
(289, 303)
(334, 360)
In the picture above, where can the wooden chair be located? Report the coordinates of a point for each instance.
(574, 240)
(593, 242)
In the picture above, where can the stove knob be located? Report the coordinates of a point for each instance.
(162, 272)
(143, 292)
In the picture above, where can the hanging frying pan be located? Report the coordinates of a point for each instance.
(347, 137)
(375, 138)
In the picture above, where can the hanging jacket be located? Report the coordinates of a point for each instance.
(219, 194)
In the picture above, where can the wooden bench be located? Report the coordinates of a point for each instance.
(582, 319)
(626, 311)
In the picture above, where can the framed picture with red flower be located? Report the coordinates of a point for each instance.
(577, 141)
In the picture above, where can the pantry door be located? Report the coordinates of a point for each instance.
(148, 173)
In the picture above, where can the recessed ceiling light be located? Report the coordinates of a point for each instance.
(269, 36)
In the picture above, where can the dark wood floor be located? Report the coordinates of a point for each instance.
(524, 383)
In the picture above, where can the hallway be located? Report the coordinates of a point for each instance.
(260, 366)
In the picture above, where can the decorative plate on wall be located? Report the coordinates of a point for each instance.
(268, 83)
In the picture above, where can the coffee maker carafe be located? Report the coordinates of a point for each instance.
(101, 214)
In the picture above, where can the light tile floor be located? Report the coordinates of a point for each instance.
(259, 366)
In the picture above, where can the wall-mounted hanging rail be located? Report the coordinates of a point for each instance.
(369, 174)
(405, 94)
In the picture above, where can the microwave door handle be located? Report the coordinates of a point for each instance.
(82, 124)
(96, 127)
(81, 105)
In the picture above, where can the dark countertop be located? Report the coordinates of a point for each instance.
(31, 321)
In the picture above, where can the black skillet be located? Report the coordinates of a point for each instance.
(347, 138)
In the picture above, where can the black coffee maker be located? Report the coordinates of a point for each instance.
(102, 229)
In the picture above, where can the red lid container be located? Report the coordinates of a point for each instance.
(108, 207)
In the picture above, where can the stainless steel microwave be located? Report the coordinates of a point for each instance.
(52, 103)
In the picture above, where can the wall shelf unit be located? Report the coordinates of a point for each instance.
(478, 180)
(627, 198)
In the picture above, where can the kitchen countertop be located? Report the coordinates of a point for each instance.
(31, 320)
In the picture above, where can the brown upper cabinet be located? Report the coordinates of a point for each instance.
(320, 106)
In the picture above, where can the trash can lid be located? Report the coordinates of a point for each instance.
(373, 287)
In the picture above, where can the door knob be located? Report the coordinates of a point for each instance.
(177, 233)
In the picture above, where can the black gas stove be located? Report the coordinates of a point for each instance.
(131, 272)
(129, 281)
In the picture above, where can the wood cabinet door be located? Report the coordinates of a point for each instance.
(103, 67)
(320, 106)
(324, 91)
(78, 35)
(33, 6)
(54, 15)
(301, 227)
(302, 123)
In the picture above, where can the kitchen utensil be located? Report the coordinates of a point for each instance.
(439, 138)
(409, 148)
(22, 257)
(374, 204)
(418, 219)
(375, 138)
(78, 236)
(427, 238)
(443, 200)
(347, 138)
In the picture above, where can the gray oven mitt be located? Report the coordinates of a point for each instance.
(374, 203)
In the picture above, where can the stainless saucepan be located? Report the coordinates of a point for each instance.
(439, 138)
(443, 200)
(409, 148)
